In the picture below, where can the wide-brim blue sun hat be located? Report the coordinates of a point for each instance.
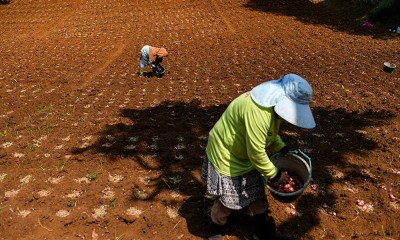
(290, 96)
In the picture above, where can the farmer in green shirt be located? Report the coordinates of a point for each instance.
(236, 157)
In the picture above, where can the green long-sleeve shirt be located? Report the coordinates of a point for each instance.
(238, 141)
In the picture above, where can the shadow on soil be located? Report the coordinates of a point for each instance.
(339, 15)
(176, 134)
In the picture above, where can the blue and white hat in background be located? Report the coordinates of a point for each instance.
(290, 95)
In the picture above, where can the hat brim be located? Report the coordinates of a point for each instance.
(268, 94)
(295, 113)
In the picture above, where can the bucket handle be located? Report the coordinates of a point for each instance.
(299, 152)
(306, 157)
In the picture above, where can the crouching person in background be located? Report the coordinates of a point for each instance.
(152, 56)
(236, 159)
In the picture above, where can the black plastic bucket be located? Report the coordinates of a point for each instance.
(388, 67)
(159, 71)
(297, 163)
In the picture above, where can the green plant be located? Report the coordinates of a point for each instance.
(69, 204)
(9, 123)
(113, 201)
(3, 133)
(101, 166)
(30, 148)
(41, 130)
(383, 231)
(120, 237)
(2, 207)
(8, 177)
(46, 109)
(16, 134)
(60, 166)
(91, 176)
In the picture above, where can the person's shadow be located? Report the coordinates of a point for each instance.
(5, 1)
(158, 72)
(196, 210)
(170, 138)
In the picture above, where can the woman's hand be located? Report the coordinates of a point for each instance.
(286, 149)
(281, 177)
(284, 177)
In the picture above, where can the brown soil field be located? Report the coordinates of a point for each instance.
(88, 150)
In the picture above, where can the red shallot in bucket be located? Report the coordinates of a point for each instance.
(293, 185)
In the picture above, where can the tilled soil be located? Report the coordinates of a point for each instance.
(88, 150)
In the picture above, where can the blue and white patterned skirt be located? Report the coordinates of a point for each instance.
(233, 192)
